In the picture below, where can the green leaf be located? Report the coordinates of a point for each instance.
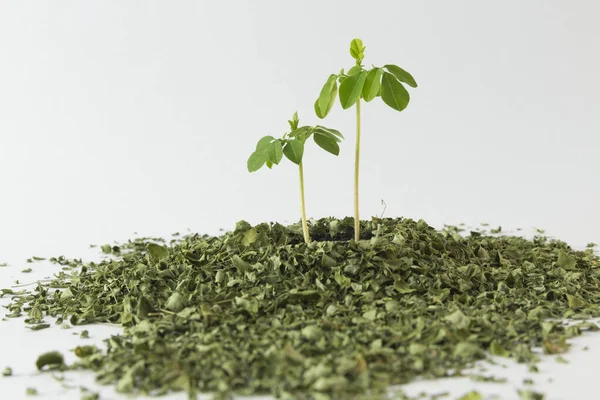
(294, 121)
(327, 97)
(39, 327)
(318, 110)
(53, 358)
(555, 345)
(466, 350)
(351, 89)
(125, 383)
(175, 302)
(275, 152)
(357, 49)
(575, 301)
(565, 260)
(249, 237)
(354, 70)
(496, 349)
(157, 252)
(256, 161)
(401, 75)
(393, 93)
(332, 131)
(458, 320)
(85, 395)
(472, 395)
(241, 265)
(402, 288)
(372, 84)
(302, 133)
(327, 143)
(144, 307)
(529, 394)
(250, 305)
(265, 150)
(328, 132)
(264, 143)
(312, 332)
(294, 150)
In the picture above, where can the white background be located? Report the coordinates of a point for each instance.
(127, 116)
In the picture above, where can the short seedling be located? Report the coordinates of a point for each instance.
(385, 82)
(269, 151)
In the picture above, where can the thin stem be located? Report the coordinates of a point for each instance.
(304, 223)
(356, 170)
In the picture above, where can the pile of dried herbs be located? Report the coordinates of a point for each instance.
(257, 310)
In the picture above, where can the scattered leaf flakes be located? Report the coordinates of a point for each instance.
(257, 310)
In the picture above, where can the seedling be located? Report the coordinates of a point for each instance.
(270, 151)
(360, 83)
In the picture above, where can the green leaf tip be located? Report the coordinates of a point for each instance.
(294, 121)
(357, 49)
(401, 74)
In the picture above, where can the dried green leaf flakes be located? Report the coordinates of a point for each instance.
(257, 310)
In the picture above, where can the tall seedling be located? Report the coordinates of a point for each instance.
(360, 83)
(270, 151)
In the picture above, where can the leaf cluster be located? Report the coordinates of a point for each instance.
(270, 151)
(359, 82)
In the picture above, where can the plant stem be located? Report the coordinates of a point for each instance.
(304, 223)
(356, 170)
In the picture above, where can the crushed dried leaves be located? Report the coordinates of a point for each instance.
(257, 310)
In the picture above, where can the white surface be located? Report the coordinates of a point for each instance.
(123, 116)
